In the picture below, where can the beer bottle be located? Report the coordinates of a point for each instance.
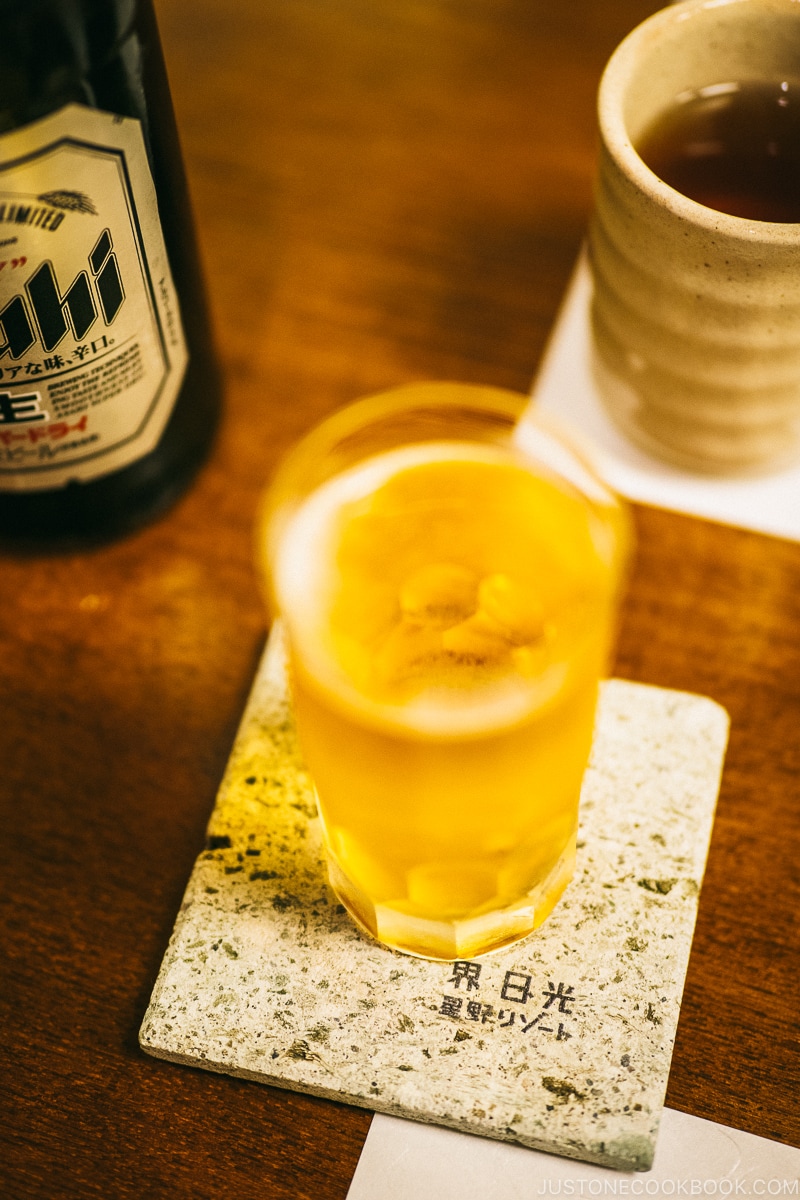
(108, 388)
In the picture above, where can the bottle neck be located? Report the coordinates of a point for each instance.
(57, 52)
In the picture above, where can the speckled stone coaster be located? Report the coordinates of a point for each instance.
(561, 1042)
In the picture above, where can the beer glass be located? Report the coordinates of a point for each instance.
(447, 570)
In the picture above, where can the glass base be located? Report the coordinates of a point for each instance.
(448, 939)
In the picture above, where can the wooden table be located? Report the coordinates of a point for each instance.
(384, 193)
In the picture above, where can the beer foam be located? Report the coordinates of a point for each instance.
(306, 579)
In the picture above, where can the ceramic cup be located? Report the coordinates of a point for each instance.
(696, 314)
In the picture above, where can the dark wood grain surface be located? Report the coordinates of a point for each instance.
(384, 193)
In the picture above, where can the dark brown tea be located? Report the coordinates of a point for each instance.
(734, 147)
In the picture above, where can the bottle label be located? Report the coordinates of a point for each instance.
(92, 350)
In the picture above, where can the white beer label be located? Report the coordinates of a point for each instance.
(92, 351)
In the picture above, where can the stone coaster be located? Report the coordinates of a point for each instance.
(562, 1042)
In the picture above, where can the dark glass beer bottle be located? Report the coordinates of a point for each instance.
(109, 392)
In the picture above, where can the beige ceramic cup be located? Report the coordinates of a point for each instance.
(696, 314)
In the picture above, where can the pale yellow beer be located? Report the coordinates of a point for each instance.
(449, 605)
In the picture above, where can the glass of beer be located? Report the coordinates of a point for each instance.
(447, 569)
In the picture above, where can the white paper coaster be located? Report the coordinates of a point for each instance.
(564, 387)
(401, 1161)
(562, 1042)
